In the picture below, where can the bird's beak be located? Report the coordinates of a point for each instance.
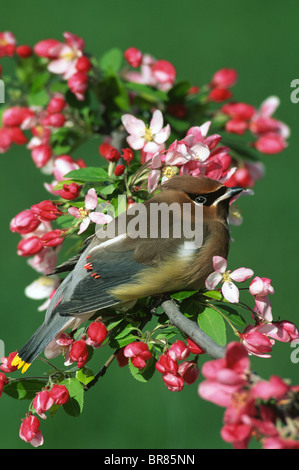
(230, 193)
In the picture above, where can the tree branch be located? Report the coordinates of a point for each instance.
(192, 330)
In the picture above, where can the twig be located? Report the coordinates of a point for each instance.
(192, 330)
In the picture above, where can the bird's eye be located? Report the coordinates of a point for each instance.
(200, 200)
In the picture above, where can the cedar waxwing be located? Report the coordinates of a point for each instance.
(116, 271)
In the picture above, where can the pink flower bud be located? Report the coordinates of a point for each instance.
(179, 351)
(166, 364)
(46, 211)
(261, 286)
(29, 431)
(41, 154)
(6, 363)
(164, 71)
(29, 246)
(109, 152)
(24, 222)
(78, 84)
(133, 56)
(70, 191)
(119, 170)
(139, 354)
(127, 155)
(220, 94)
(189, 371)
(224, 78)
(174, 382)
(46, 48)
(53, 238)
(42, 402)
(24, 51)
(14, 117)
(236, 126)
(60, 394)
(56, 105)
(5, 140)
(54, 120)
(241, 111)
(83, 64)
(270, 143)
(79, 353)
(17, 136)
(97, 333)
(194, 348)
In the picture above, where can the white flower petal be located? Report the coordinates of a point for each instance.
(84, 224)
(220, 264)
(163, 135)
(241, 274)
(133, 125)
(212, 280)
(156, 123)
(100, 218)
(91, 199)
(135, 142)
(230, 292)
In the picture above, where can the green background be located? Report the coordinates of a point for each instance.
(260, 40)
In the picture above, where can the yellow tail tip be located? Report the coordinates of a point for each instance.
(17, 361)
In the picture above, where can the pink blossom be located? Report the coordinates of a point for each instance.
(97, 333)
(78, 84)
(47, 48)
(174, 382)
(189, 371)
(24, 222)
(42, 402)
(29, 246)
(274, 388)
(56, 104)
(63, 165)
(60, 344)
(256, 341)
(78, 353)
(139, 354)
(225, 376)
(60, 394)
(260, 287)
(270, 143)
(164, 72)
(30, 432)
(24, 51)
(224, 78)
(133, 56)
(6, 363)
(7, 44)
(15, 116)
(149, 137)
(66, 56)
(5, 140)
(85, 214)
(179, 351)
(229, 289)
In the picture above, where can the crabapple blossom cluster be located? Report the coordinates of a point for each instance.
(253, 407)
(149, 126)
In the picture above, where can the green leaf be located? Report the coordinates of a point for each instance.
(213, 294)
(89, 174)
(111, 61)
(183, 295)
(74, 406)
(212, 323)
(24, 389)
(40, 82)
(41, 98)
(233, 315)
(143, 375)
(84, 375)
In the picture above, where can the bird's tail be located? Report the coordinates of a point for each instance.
(38, 341)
